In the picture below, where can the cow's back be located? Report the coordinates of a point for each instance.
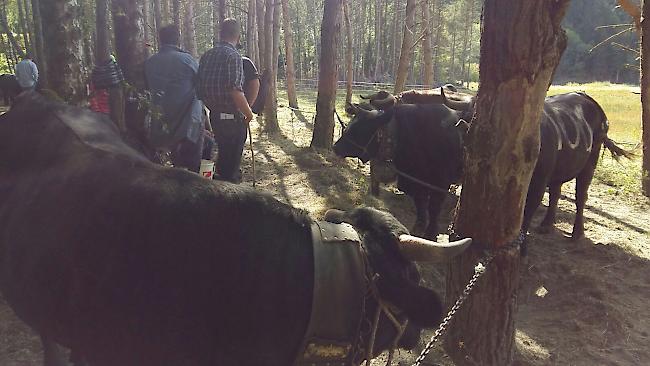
(126, 260)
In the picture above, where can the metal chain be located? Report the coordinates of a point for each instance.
(479, 270)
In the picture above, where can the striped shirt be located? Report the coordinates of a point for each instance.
(220, 72)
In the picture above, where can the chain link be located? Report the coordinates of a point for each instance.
(479, 270)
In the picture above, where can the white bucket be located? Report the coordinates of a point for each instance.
(207, 168)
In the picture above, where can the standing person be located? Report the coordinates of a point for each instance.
(221, 80)
(177, 113)
(27, 73)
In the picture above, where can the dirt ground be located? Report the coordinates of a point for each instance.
(580, 303)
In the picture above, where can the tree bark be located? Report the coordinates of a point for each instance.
(501, 152)
(250, 32)
(326, 100)
(146, 13)
(157, 15)
(632, 10)
(18, 48)
(349, 75)
(645, 97)
(220, 6)
(427, 53)
(288, 46)
(128, 23)
(261, 37)
(102, 55)
(164, 11)
(23, 27)
(407, 47)
(189, 29)
(272, 26)
(41, 58)
(62, 27)
(436, 48)
(176, 13)
(378, 31)
(396, 39)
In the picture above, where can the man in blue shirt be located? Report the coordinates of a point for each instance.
(27, 74)
(176, 113)
(221, 79)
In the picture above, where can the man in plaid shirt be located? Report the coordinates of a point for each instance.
(221, 79)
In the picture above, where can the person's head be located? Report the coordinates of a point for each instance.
(28, 56)
(230, 31)
(169, 35)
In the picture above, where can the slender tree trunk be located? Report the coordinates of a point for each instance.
(250, 32)
(189, 29)
(261, 37)
(22, 26)
(427, 54)
(41, 58)
(407, 47)
(645, 96)
(62, 27)
(396, 39)
(18, 48)
(378, 49)
(272, 24)
(158, 15)
(128, 22)
(164, 10)
(146, 13)
(502, 148)
(288, 46)
(176, 12)
(326, 100)
(436, 50)
(348, 53)
(102, 55)
(220, 6)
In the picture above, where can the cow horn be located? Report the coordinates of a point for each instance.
(369, 97)
(422, 250)
(454, 104)
(389, 101)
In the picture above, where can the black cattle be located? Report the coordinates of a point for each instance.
(9, 88)
(129, 263)
(427, 146)
(573, 129)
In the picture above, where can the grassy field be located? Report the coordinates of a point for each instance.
(622, 106)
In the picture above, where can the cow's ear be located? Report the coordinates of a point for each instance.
(337, 216)
(421, 305)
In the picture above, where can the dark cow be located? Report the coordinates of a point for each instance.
(9, 88)
(129, 263)
(573, 129)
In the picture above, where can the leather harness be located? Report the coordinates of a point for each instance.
(340, 285)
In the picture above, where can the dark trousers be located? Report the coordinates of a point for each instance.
(187, 154)
(230, 136)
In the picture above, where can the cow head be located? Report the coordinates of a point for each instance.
(359, 137)
(392, 254)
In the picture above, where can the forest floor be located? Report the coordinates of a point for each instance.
(580, 303)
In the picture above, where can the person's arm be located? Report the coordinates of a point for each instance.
(241, 103)
(251, 89)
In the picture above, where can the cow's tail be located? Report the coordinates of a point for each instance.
(617, 151)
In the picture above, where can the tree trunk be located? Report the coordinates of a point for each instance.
(41, 58)
(407, 47)
(261, 37)
(326, 100)
(220, 6)
(157, 15)
(250, 32)
(436, 49)
(645, 96)
(128, 23)
(62, 27)
(427, 53)
(189, 30)
(146, 13)
(164, 11)
(102, 56)
(176, 13)
(272, 29)
(378, 50)
(288, 46)
(502, 148)
(22, 26)
(7, 30)
(349, 76)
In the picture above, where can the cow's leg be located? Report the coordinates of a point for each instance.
(53, 354)
(583, 180)
(554, 192)
(421, 201)
(435, 203)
